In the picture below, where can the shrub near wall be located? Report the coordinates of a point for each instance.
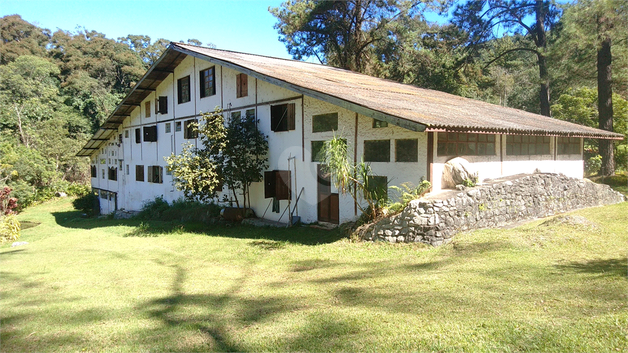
(434, 220)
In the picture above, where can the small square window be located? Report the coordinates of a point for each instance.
(168, 128)
(325, 122)
(407, 150)
(177, 126)
(377, 151)
(379, 123)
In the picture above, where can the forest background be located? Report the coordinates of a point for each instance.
(539, 56)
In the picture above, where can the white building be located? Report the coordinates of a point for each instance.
(406, 133)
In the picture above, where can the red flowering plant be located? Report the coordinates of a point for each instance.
(7, 203)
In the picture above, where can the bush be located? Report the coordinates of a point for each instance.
(9, 228)
(592, 165)
(8, 204)
(179, 210)
(78, 190)
(88, 204)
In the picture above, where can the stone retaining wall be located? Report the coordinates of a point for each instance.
(435, 219)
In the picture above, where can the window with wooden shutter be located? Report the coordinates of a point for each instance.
(183, 89)
(139, 173)
(93, 171)
(113, 173)
(147, 109)
(282, 117)
(277, 184)
(138, 136)
(150, 133)
(163, 105)
(189, 131)
(242, 85)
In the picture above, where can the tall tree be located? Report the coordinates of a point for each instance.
(486, 20)
(593, 27)
(338, 33)
(21, 38)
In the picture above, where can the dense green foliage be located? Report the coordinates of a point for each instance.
(56, 89)
(179, 211)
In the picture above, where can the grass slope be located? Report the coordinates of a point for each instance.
(124, 286)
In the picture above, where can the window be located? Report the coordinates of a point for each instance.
(379, 123)
(325, 122)
(155, 174)
(208, 82)
(189, 130)
(282, 117)
(139, 173)
(236, 116)
(150, 133)
(277, 184)
(177, 126)
(103, 173)
(126, 134)
(377, 151)
(376, 187)
(138, 136)
(569, 145)
(524, 145)
(465, 144)
(242, 85)
(127, 169)
(407, 150)
(183, 89)
(93, 171)
(113, 173)
(147, 109)
(168, 128)
(103, 194)
(317, 151)
(119, 138)
(250, 114)
(162, 104)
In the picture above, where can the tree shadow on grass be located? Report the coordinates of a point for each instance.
(603, 267)
(151, 228)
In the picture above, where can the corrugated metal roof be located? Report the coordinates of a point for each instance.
(404, 105)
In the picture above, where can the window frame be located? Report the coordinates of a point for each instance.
(378, 124)
(285, 122)
(415, 148)
(138, 135)
(374, 147)
(183, 90)
(139, 176)
(515, 145)
(207, 77)
(147, 112)
(569, 148)
(155, 174)
(242, 85)
(150, 133)
(188, 132)
(453, 143)
(320, 121)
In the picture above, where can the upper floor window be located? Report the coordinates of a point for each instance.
(113, 173)
(242, 85)
(93, 171)
(377, 150)
(569, 145)
(282, 117)
(183, 89)
(524, 145)
(138, 135)
(325, 122)
(162, 105)
(465, 144)
(379, 123)
(207, 79)
(139, 173)
(147, 109)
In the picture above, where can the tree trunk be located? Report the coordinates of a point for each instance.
(541, 43)
(605, 104)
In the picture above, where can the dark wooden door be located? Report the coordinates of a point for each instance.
(328, 202)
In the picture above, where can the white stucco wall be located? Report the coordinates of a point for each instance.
(132, 194)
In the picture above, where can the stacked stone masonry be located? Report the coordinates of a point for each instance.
(435, 220)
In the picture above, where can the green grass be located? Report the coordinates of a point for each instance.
(119, 286)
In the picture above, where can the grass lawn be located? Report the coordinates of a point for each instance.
(106, 285)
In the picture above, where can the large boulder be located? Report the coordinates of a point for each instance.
(456, 171)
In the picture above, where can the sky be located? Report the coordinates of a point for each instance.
(239, 25)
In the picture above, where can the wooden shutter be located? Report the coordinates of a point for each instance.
(150, 174)
(282, 190)
(138, 136)
(161, 174)
(139, 173)
(290, 116)
(244, 85)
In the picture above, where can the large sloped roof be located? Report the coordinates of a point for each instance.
(408, 106)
